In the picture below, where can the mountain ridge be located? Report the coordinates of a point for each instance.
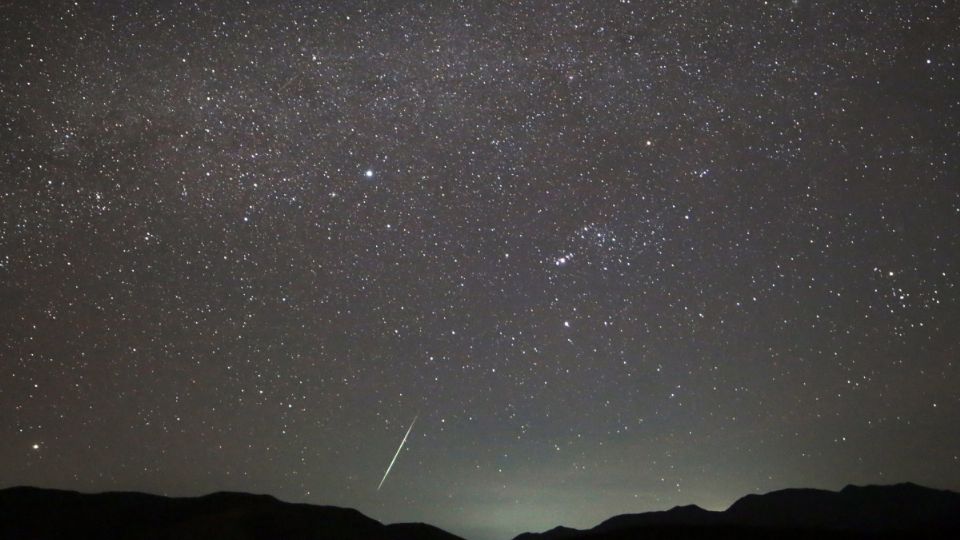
(904, 510)
(39, 514)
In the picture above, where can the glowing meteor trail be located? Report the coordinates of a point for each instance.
(394, 460)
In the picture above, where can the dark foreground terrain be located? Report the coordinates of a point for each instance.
(41, 514)
(900, 511)
(874, 512)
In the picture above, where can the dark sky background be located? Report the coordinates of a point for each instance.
(616, 255)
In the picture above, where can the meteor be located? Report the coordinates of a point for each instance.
(394, 460)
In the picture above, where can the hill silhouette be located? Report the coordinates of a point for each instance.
(870, 512)
(39, 514)
(888, 512)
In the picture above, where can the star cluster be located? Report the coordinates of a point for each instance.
(617, 255)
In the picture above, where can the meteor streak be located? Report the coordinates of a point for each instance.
(394, 460)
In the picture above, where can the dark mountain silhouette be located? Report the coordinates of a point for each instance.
(40, 514)
(888, 512)
(871, 512)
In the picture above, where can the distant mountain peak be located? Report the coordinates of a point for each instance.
(687, 508)
(557, 533)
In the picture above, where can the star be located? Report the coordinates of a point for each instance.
(317, 222)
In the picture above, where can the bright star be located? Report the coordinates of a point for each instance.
(368, 173)
(563, 260)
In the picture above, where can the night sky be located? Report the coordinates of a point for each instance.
(614, 256)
